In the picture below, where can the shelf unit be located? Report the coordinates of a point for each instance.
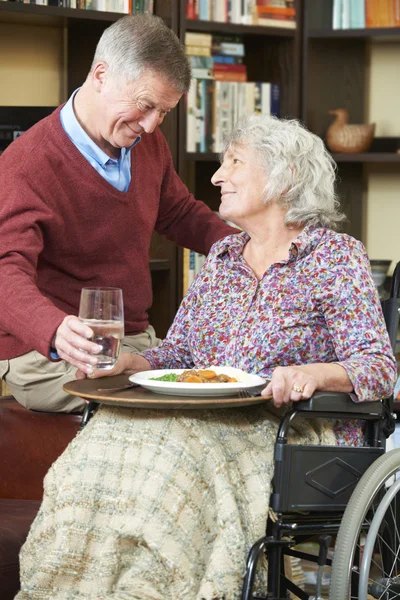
(271, 54)
(343, 84)
(81, 30)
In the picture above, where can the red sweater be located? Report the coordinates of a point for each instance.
(64, 227)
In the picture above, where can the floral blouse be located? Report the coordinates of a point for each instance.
(319, 305)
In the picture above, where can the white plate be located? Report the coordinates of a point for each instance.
(245, 381)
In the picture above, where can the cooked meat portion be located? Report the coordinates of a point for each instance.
(204, 376)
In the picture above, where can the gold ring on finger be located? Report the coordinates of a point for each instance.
(297, 389)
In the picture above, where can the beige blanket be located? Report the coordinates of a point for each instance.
(156, 505)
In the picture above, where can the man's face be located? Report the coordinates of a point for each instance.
(128, 110)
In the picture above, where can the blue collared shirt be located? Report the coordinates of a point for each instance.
(115, 171)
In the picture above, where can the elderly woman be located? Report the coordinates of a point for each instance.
(165, 504)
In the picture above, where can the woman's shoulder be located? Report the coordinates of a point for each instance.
(338, 248)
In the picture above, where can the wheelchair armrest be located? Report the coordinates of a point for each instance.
(338, 402)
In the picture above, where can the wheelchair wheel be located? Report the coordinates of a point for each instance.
(366, 562)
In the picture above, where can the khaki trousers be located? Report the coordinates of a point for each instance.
(36, 382)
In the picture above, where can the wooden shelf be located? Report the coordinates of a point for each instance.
(367, 157)
(52, 15)
(160, 264)
(234, 28)
(383, 32)
(202, 156)
(17, 12)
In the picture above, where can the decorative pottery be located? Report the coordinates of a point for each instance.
(343, 137)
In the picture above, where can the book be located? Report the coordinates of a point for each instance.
(198, 39)
(149, 6)
(276, 23)
(205, 9)
(230, 48)
(209, 115)
(345, 14)
(227, 72)
(230, 76)
(201, 62)
(201, 73)
(240, 68)
(200, 115)
(198, 51)
(337, 14)
(357, 14)
(190, 10)
(226, 59)
(190, 99)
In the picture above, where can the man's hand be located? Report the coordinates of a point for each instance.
(72, 344)
(127, 363)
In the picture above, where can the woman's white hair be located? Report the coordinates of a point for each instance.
(299, 171)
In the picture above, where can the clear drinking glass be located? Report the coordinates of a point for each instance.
(103, 310)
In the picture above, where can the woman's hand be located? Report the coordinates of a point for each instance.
(291, 384)
(127, 363)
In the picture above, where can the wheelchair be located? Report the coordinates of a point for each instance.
(344, 492)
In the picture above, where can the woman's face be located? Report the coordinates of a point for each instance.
(242, 182)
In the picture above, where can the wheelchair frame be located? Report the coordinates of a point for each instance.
(326, 477)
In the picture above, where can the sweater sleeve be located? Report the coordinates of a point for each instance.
(25, 312)
(181, 218)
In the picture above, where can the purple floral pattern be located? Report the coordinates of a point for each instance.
(319, 305)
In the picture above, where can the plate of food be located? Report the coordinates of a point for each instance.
(213, 381)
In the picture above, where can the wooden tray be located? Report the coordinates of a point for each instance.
(140, 398)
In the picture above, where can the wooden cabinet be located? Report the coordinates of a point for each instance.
(73, 34)
(336, 73)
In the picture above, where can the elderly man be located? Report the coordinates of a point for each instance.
(80, 195)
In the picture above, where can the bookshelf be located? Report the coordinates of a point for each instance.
(338, 70)
(68, 38)
(272, 54)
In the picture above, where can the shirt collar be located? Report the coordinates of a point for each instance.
(305, 242)
(81, 139)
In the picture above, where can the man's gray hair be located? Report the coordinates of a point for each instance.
(299, 171)
(138, 43)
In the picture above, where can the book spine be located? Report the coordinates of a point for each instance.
(230, 67)
(185, 271)
(337, 14)
(139, 6)
(198, 51)
(198, 39)
(199, 73)
(190, 12)
(275, 107)
(265, 98)
(229, 76)
(191, 117)
(209, 119)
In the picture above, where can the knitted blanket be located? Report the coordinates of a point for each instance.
(156, 505)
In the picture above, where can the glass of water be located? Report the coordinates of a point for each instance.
(102, 309)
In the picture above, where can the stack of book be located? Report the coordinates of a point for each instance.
(220, 93)
(271, 13)
(361, 14)
(276, 13)
(117, 6)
